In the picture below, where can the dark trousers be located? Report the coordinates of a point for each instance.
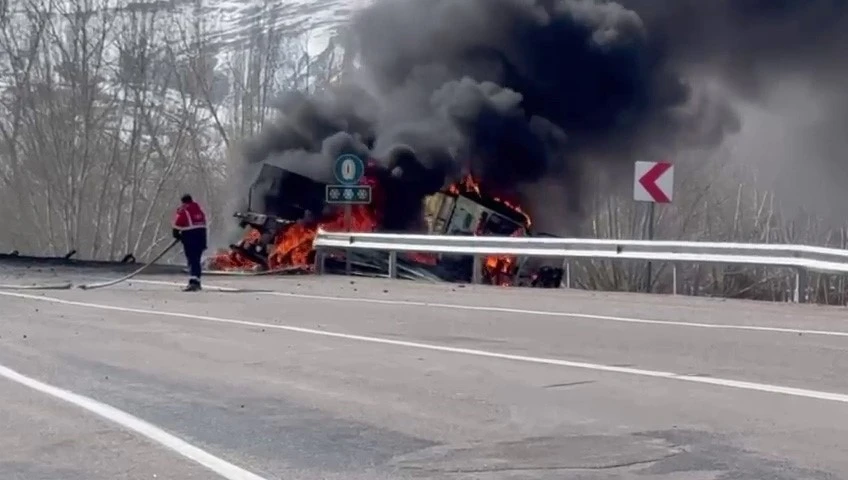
(194, 244)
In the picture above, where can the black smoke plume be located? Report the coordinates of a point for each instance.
(752, 43)
(527, 92)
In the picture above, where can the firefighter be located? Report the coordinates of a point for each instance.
(190, 228)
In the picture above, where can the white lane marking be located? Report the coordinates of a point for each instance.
(221, 467)
(519, 311)
(761, 387)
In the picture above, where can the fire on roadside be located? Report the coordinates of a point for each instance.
(470, 185)
(498, 269)
(292, 246)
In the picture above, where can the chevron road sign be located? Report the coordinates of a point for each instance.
(653, 182)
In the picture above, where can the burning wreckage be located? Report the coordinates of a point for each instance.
(281, 222)
(516, 92)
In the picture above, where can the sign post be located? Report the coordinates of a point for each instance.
(349, 170)
(653, 183)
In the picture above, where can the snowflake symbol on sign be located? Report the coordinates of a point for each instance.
(334, 193)
(362, 194)
(348, 194)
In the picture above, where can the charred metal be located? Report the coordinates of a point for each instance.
(280, 199)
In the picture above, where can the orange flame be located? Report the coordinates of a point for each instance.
(233, 260)
(497, 269)
(292, 246)
(424, 258)
(469, 184)
(500, 269)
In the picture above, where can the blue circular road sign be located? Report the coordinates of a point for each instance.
(349, 169)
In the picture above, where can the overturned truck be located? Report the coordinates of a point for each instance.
(285, 209)
(277, 200)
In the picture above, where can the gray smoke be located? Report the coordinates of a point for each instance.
(785, 58)
(530, 92)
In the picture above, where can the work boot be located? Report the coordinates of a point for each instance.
(193, 286)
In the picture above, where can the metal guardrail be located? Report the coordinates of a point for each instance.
(802, 258)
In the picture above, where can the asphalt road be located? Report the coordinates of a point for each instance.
(338, 378)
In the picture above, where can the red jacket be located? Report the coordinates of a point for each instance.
(189, 216)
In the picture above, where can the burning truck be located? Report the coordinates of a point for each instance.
(285, 210)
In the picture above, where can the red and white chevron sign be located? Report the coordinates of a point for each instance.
(654, 182)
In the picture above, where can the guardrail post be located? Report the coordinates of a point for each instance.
(392, 264)
(348, 212)
(348, 265)
(566, 280)
(674, 279)
(319, 261)
(801, 284)
(477, 270)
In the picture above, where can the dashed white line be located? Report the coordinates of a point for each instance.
(221, 467)
(521, 311)
(738, 384)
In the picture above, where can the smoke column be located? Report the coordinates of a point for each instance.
(526, 93)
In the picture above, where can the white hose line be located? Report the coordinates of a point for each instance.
(92, 286)
(53, 286)
(248, 273)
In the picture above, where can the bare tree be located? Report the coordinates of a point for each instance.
(21, 39)
(99, 127)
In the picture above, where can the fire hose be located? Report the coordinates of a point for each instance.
(92, 286)
(260, 273)
(49, 286)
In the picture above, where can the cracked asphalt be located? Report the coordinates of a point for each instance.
(334, 378)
